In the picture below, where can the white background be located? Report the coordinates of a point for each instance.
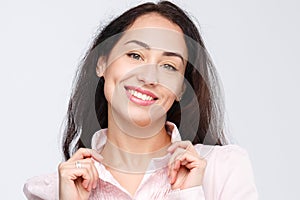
(254, 44)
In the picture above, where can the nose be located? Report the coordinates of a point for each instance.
(148, 74)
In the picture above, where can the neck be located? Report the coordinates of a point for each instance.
(134, 139)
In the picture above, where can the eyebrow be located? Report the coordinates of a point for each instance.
(165, 53)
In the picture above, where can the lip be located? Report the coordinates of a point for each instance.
(138, 100)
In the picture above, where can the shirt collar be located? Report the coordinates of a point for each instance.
(100, 137)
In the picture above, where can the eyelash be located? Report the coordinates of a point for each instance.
(169, 67)
(136, 56)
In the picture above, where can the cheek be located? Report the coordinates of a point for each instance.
(174, 86)
(110, 85)
(113, 76)
(108, 91)
(169, 98)
(118, 70)
(172, 81)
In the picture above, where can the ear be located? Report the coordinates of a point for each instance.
(101, 66)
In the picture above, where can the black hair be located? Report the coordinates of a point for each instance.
(87, 110)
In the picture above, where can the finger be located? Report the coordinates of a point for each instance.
(175, 154)
(76, 173)
(180, 144)
(190, 161)
(186, 156)
(90, 162)
(174, 164)
(86, 153)
(201, 165)
(173, 157)
(88, 165)
(181, 158)
(177, 150)
(177, 169)
(95, 174)
(173, 171)
(184, 162)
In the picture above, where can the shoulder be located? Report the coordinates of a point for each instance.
(227, 153)
(42, 187)
(225, 159)
(228, 173)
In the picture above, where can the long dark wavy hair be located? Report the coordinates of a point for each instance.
(203, 111)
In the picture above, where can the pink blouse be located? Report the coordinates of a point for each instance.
(228, 176)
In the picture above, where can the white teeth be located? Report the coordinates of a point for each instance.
(144, 97)
(139, 95)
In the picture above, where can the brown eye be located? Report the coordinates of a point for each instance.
(134, 56)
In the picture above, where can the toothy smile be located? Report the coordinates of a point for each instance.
(140, 96)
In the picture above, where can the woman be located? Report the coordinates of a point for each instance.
(147, 74)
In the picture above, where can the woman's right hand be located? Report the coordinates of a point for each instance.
(78, 175)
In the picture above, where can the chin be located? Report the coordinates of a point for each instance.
(142, 123)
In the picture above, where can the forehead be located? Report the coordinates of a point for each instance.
(157, 32)
(154, 20)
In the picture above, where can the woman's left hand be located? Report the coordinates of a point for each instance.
(186, 168)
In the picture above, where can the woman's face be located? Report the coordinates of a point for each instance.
(144, 72)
